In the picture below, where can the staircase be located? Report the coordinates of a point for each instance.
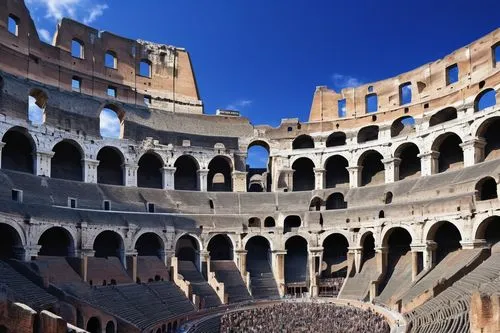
(200, 286)
(262, 282)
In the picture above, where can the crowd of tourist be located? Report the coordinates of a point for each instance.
(304, 317)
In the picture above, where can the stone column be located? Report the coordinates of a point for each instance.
(131, 258)
(381, 259)
(414, 262)
(391, 166)
(168, 179)
(354, 176)
(130, 174)
(278, 263)
(241, 262)
(31, 251)
(84, 254)
(43, 163)
(89, 167)
(356, 254)
(319, 176)
(202, 179)
(203, 263)
(239, 181)
(166, 255)
(429, 163)
(285, 175)
(473, 151)
(430, 254)
(2, 144)
(314, 252)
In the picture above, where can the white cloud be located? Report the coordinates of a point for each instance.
(82, 10)
(45, 35)
(239, 104)
(94, 13)
(109, 124)
(341, 81)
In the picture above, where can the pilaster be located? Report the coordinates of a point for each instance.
(429, 163)
(391, 166)
(354, 176)
(202, 179)
(130, 174)
(43, 163)
(168, 178)
(319, 176)
(90, 170)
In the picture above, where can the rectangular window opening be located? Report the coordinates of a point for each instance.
(17, 195)
(451, 74)
(496, 55)
(371, 101)
(106, 205)
(151, 207)
(72, 202)
(76, 84)
(342, 108)
(405, 93)
(112, 92)
(147, 100)
(77, 49)
(13, 25)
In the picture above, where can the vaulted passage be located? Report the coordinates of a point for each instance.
(403, 126)
(187, 249)
(186, 176)
(373, 168)
(490, 133)
(108, 244)
(94, 325)
(67, 162)
(447, 238)
(150, 171)
(368, 133)
(259, 266)
(56, 241)
(489, 230)
(336, 139)
(220, 248)
(10, 243)
(451, 155)
(486, 189)
(296, 265)
(17, 154)
(303, 177)
(291, 222)
(443, 116)
(149, 244)
(409, 166)
(219, 175)
(334, 256)
(335, 201)
(368, 244)
(109, 170)
(398, 241)
(336, 172)
(303, 141)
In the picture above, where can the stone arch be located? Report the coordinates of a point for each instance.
(110, 170)
(303, 177)
(316, 204)
(254, 222)
(335, 248)
(19, 150)
(336, 139)
(259, 172)
(108, 243)
(56, 241)
(187, 248)
(94, 325)
(373, 171)
(220, 247)
(37, 103)
(67, 161)
(269, 222)
(11, 242)
(291, 222)
(409, 165)
(398, 236)
(110, 327)
(111, 121)
(443, 116)
(403, 126)
(258, 254)
(368, 133)
(303, 141)
(150, 171)
(367, 244)
(149, 244)
(486, 189)
(489, 230)
(451, 155)
(296, 260)
(488, 130)
(336, 201)
(186, 173)
(447, 237)
(268, 238)
(485, 99)
(220, 166)
(336, 171)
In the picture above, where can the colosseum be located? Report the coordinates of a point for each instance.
(384, 205)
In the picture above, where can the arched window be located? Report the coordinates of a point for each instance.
(258, 167)
(150, 173)
(486, 189)
(315, 204)
(109, 170)
(373, 171)
(17, 154)
(490, 133)
(220, 247)
(67, 161)
(403, 126)
(442, 116)
(13, 25)
(37, 102)
(336, 201)
(336, 171)
(371, 103)
(336, 139)
(405, 93)
(291, 222)
(219, 175)
(303, 141)
(409, 165)
(145, 68)
(108, 244)
(269, 222)
(388, 198)
(186, 173)
(485, 99)
(56, 241)
(110, 60)
(368, 133)
(111, 122)
(450, 153)
(254, 222)
(303, 177)
(77, 49)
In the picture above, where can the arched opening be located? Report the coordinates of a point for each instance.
(219, 175)
(186, 173)
(296, 277)
(187, 249)
(254, 222)
(489, 230)
(403, 126)
(258, 264)
(334, 263)
(220, 247)
(371, 103)
(443, 116)
(258, 167)
(37, 102)
(485, 99)
(150, 171)
(336, 172)
(303, 141)
(398, 241)
(373, 171)
(368, 245)
(388, 198)
(109, 170)
(149, 244)
(17, 154)
(490, 133)
(56, 241)
(451, 155)
(94, 325)
(381, 214)
(486, 189)
(269, 222)
(368, 133)
(315, 204)
(409, 165)
(336, 201)
(108, 244)
(111, 122)
(291, 223)
(11, 245)
(66, 162)
(447, 237)
(110, 327)
(336, 139)
(303, 176)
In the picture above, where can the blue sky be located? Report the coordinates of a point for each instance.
(265, 57)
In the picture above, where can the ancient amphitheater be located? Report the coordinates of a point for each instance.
(386, 199)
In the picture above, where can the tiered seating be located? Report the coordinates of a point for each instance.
(106, 269)
(452, 264)
(151, 268)
(227, 272)
(262, 280)
(449, 311)
(200, 286)
(358, 286)
(398, 279)
(211, 325)
(23, 290)
(172, 296)
(56, 270)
